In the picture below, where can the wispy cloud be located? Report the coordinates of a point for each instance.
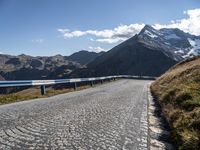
(96, 49)
(115, 35)
(37, 41)
(111, 40)
(190, 24)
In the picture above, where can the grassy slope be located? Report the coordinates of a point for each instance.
(178, 92)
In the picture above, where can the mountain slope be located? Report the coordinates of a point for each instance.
(178, 93)
(151, 53)
(84, 57)
(178, 44)
(134, 56)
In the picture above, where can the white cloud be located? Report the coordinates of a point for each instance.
(115, 35)
(96, 49)
(1, 52)
(37, 40)
(190, 24)
(111, 40)
(91, 39)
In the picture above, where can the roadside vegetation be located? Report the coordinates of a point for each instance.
(34, 93)
(178, 92)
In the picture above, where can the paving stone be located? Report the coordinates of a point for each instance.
(111, 116)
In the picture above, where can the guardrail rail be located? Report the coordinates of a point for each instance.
(44, 83)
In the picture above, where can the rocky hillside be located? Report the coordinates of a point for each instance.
(27, 67)
(178, 92)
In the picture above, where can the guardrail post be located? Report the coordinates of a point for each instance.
(101, 81)
(75, 86)
(91, 83)
(43, 89)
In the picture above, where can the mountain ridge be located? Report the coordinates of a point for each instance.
(26, 67)
(150, 52)
(84, 57)
(135, 55)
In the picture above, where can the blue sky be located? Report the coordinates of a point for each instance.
(49, 27)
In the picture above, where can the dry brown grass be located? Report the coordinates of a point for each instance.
(178, 92)
(34, 92)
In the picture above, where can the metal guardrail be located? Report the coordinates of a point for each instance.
(43, 83)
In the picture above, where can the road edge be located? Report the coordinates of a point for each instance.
(158, 129)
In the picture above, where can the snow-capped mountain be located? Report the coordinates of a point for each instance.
(174, 42)
(151, 53)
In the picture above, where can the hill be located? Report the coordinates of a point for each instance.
(178, 92)
(24, 67)
(84, 57)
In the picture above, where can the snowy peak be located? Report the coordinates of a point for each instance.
(148, 28)
(149, 31)
(172, 33)
(176, 37)
(174, 42)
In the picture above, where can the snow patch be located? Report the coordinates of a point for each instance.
(167, 43)
(150, 34)
(195, 48)
(171, 36)
(179, 51)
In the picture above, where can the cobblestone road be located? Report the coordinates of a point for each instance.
(110, 116)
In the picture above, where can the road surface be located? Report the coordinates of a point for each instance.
(110, 116)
